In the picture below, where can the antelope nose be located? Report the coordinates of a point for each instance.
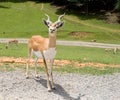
(52, 30)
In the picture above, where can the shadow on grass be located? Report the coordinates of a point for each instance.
(59, 90)
(1, 6)
(101, 14)
(79, 14)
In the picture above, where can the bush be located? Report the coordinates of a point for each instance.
(117, 7)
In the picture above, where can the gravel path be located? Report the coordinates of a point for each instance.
(14, 86)
(69, 43)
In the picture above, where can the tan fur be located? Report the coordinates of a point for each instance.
(52, 41)
(38, 43)
(13, 41)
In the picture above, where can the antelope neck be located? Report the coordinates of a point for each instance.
(52, 41)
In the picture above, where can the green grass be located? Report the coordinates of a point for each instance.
(80, 54)
(6, 67)
(24, 19)
(95, 20)
(96, 28)
(13, 50)
(87, 70)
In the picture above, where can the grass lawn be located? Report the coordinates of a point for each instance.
(77, 54)
(66, 69)
(80, 54)
(24, 19)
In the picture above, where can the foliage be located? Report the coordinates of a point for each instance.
(117, 7)
(91, 5)
(108, 4)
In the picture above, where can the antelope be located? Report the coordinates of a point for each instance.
(12, 41)
(45, 48)
(115, 50)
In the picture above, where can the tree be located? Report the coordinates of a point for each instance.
(117, 6)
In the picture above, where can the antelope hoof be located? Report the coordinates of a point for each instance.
(27, 77)
(54, 88)
(49, 90)
(36, 76)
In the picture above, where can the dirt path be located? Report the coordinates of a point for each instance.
(69, 43)
(57, 63)
(14, 86)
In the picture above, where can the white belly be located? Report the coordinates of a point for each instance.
(48, 54)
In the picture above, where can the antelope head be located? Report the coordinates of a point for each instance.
(52, 27)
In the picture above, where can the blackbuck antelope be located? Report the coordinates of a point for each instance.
(45, 48)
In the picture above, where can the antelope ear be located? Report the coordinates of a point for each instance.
(46, 23)
(60, 24)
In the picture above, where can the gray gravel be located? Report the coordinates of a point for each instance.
(14, 86)
(70, 43)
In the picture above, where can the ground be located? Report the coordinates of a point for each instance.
(14, 86)
(69, 86)
(20, 61)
